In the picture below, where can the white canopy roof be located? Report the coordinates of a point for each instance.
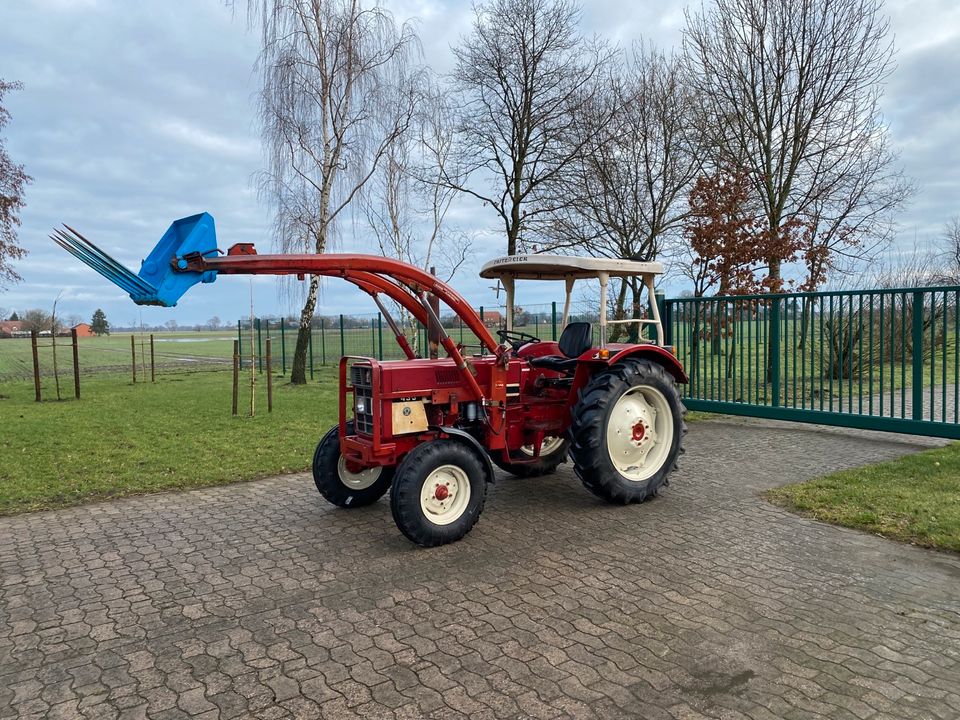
(558, 267)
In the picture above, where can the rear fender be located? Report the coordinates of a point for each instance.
(590, 362)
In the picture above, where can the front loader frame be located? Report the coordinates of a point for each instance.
(431, 428)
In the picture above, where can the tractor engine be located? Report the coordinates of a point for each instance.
(393, 404)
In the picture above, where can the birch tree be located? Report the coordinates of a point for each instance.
(331, 109)
(406, 203)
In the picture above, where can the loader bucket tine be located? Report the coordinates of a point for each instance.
(93, 249)
(94, 263)
(114, 269)
(159, 281)
(95, 260)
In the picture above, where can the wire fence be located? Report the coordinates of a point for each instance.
(330, 337)
(369, 334)
(210, 350)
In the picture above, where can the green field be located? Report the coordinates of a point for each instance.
(915, 499)
(206, 350)
(124, 439)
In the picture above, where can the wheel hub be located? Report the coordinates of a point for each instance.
(639, 432)
(445, 494)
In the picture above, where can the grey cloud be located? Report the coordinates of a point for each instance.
(138, 113)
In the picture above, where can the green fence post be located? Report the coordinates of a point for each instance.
(283, 345)
(483, 321)
(917, 355)
(343, 348)
(240, 341)
(553, 320)
(774, 350)
(310, 348)
(259, 348)
(323, 343)
(663, 305)
(380, 333)
(268, 340)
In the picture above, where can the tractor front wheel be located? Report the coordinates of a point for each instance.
(438, 492)
(627, 431)
(338, 484)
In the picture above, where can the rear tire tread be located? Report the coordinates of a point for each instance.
(587, 431)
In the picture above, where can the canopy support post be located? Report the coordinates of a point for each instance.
(508, 285)
(604, 279)
(568, 281)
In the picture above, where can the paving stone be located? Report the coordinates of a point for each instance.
(259, 600)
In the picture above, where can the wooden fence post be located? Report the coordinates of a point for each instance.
(269, 378)
(76, 363)
(36, 364)
(133, 357)
(153, 367)
(236, 373)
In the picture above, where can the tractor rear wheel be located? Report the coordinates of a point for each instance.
(337, 483)
(553, 452)
(627, 431)
(438, 492)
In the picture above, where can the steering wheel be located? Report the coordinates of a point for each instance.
(516, 339)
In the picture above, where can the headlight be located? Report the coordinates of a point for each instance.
(361, 406)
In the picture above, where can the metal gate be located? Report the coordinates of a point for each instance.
(885, 359)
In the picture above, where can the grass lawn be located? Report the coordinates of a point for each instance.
(915, 499)
(125, 439)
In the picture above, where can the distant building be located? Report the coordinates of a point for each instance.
(13, 328)
(83, 330)
(491, 318)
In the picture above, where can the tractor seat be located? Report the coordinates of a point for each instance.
(575, 340)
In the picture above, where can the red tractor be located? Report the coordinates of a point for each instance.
(430, 430)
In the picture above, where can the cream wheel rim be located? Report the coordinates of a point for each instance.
(445, 494)
(357, 480)
(640, 433)
(548, 446)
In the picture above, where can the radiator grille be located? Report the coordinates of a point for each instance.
(448, 376)
(362, 378)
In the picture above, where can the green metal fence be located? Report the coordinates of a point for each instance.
(369, 334)
(874, 359)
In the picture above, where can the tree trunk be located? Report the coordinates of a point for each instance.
(298, 373)
(619, 312)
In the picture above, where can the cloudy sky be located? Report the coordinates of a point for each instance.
(135, 114)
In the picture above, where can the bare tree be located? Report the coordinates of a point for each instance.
(407, 201)
(37, 319)
(330, 111)
(622, 195)
(949, 253)
(13, 181)
(790, 93)
(523, 75)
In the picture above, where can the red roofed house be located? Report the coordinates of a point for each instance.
(491, 318)
(13, 328)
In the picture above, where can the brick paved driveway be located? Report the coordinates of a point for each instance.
(259, 600)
